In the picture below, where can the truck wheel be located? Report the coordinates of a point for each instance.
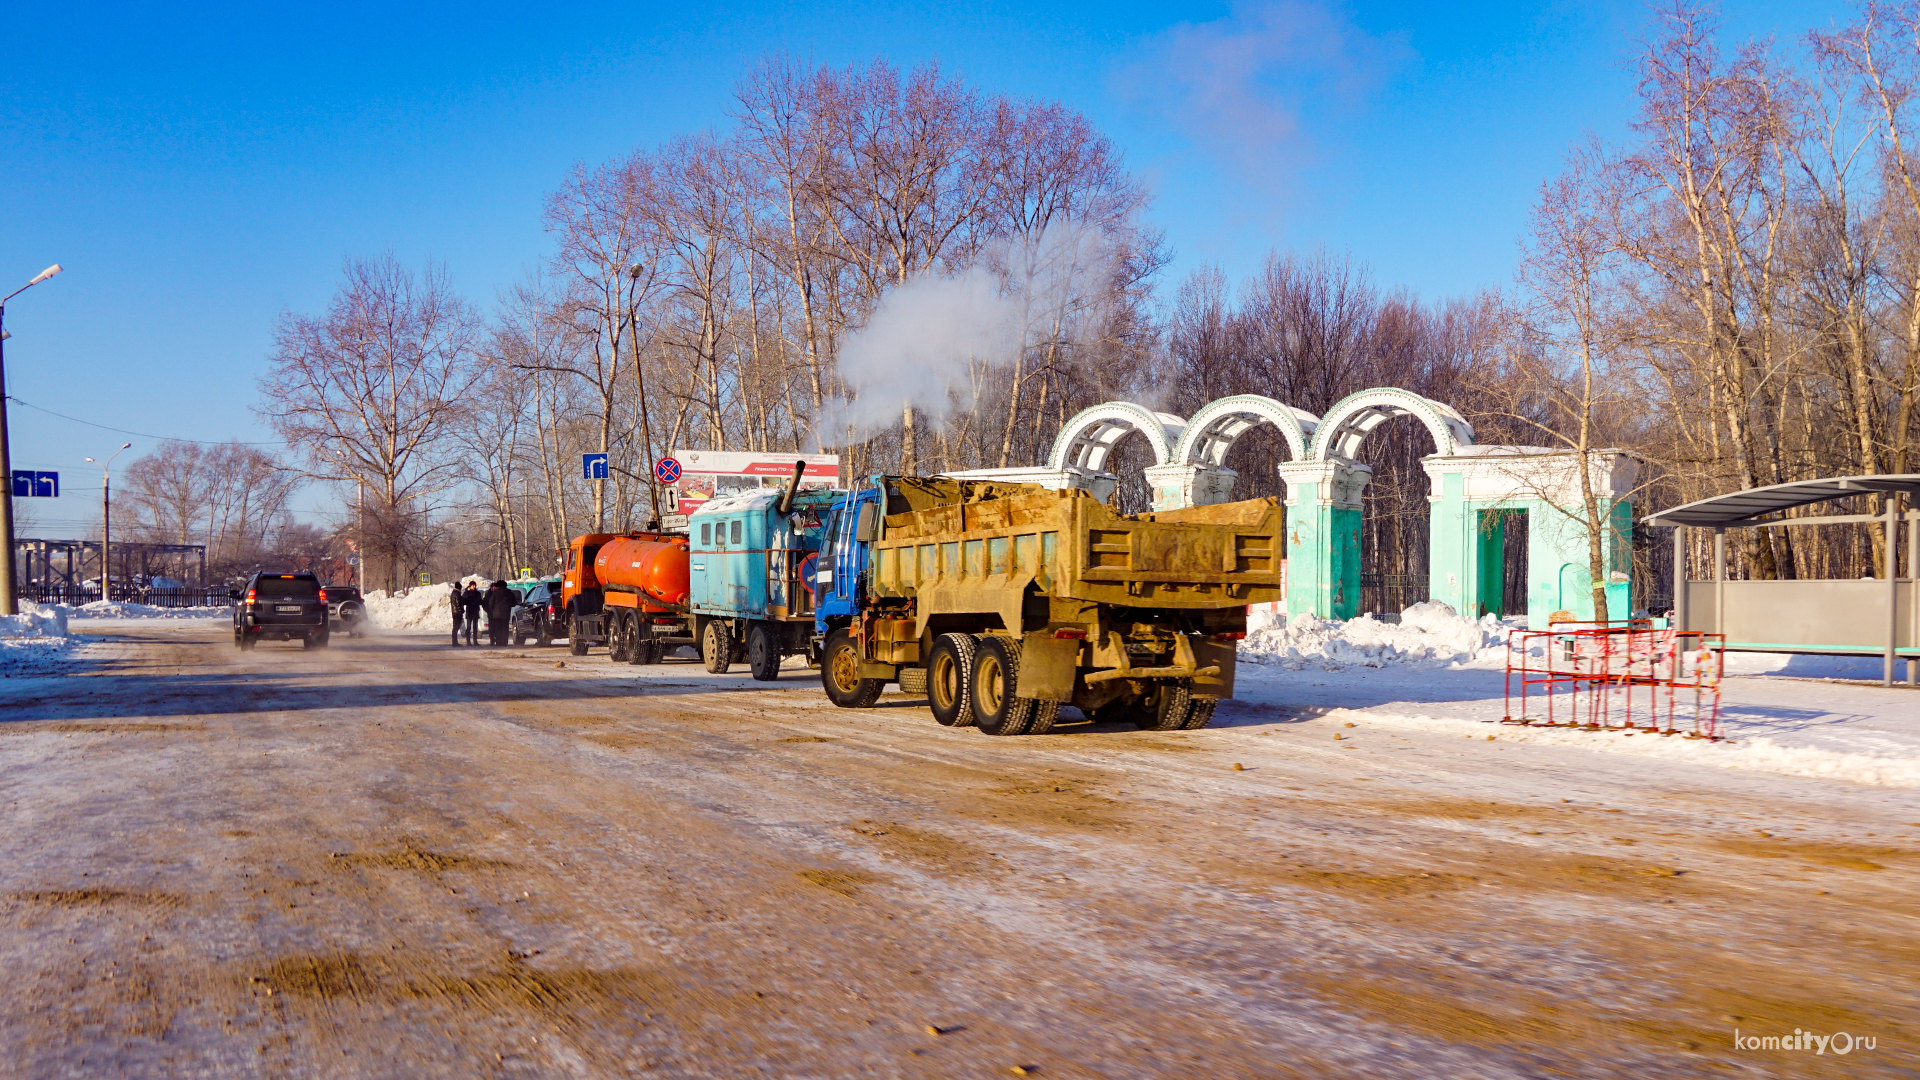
(950, 680)
(1200, 713)
(543, 634)
(716, 646)
(642, 648)
(763, 651)
(840, 673)
(619, 639)
(1168, 712)
(998, 708)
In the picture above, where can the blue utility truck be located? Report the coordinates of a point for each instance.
(750, 576)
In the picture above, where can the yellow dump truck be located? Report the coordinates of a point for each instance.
(1003, 602)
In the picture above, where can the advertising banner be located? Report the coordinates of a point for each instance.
(710, 474)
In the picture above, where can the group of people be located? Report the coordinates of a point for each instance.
(468, 603)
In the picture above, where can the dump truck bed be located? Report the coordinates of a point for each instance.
(979, 553)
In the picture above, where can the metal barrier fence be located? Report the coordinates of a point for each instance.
(73, 596)
(1621, 675)
(1390, 594)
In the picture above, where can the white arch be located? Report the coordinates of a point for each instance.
(1090, 436)
(1214, 429)
(1349, 421)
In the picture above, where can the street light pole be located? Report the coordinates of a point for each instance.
(106, 526)
(9, 603)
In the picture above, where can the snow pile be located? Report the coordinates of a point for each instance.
(102, 609)
(1429, 634)
(34, 621)
(422, 608)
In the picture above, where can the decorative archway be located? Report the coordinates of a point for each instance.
(1349, 421)
(1091, 435)
(1214, 429)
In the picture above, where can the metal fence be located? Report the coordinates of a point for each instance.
(74, 596)
(1390, 594)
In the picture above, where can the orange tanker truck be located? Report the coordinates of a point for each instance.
(628, 591)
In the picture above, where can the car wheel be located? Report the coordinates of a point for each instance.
(840, 673)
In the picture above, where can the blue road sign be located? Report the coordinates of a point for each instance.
(28, 484)
(593, 466)
(667, 470)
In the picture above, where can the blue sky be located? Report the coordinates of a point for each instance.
(200, 170)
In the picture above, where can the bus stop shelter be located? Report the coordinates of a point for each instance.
(1860, 617)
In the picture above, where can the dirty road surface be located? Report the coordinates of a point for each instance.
(396, 859)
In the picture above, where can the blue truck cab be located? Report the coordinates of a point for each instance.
(852, 524)
(751, 577)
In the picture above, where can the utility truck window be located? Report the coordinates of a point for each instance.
(735, 532)
(706, 534)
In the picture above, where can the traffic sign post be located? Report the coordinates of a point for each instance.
(593, 466)
(667, 470)
(28, 484)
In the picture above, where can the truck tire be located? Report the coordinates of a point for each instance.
(542, 633)
(619, 636)
(1044, 714)
(950, 680)
(763, 651)
(1168, 711)
(840, 673)
(1199, 713)
(576, 644)
(716, 646)
(998, 708)
(645, 648)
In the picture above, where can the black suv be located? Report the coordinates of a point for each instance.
(280, 607)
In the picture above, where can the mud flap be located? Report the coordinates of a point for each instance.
(1048, 665)
(1206, 653)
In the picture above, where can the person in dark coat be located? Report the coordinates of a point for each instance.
(499, 604)
(459, 612)
(470, 601)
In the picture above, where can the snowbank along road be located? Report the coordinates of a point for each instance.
(392, 858)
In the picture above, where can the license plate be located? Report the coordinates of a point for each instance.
(288, 609)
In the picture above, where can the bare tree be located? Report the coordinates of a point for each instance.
(368, 393)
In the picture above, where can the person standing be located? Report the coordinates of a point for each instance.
(459, 613)
(470, 601)
(499, 605)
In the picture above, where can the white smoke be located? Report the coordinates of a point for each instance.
(932, 339)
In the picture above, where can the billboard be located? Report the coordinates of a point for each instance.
(710, 474)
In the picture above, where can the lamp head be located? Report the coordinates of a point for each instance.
(95, 462)
(635, 271)
(45, 274)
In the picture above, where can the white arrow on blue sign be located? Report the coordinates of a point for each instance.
(593, 466)
(28, 484)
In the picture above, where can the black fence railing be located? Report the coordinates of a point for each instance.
(1390, 594)
(209, 596)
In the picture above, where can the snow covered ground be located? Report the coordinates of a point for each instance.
(1437, 671)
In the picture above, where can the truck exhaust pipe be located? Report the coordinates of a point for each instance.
(793, 488)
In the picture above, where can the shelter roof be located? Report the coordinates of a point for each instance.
(1743, 508)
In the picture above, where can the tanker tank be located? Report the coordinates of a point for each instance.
(654, 569)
